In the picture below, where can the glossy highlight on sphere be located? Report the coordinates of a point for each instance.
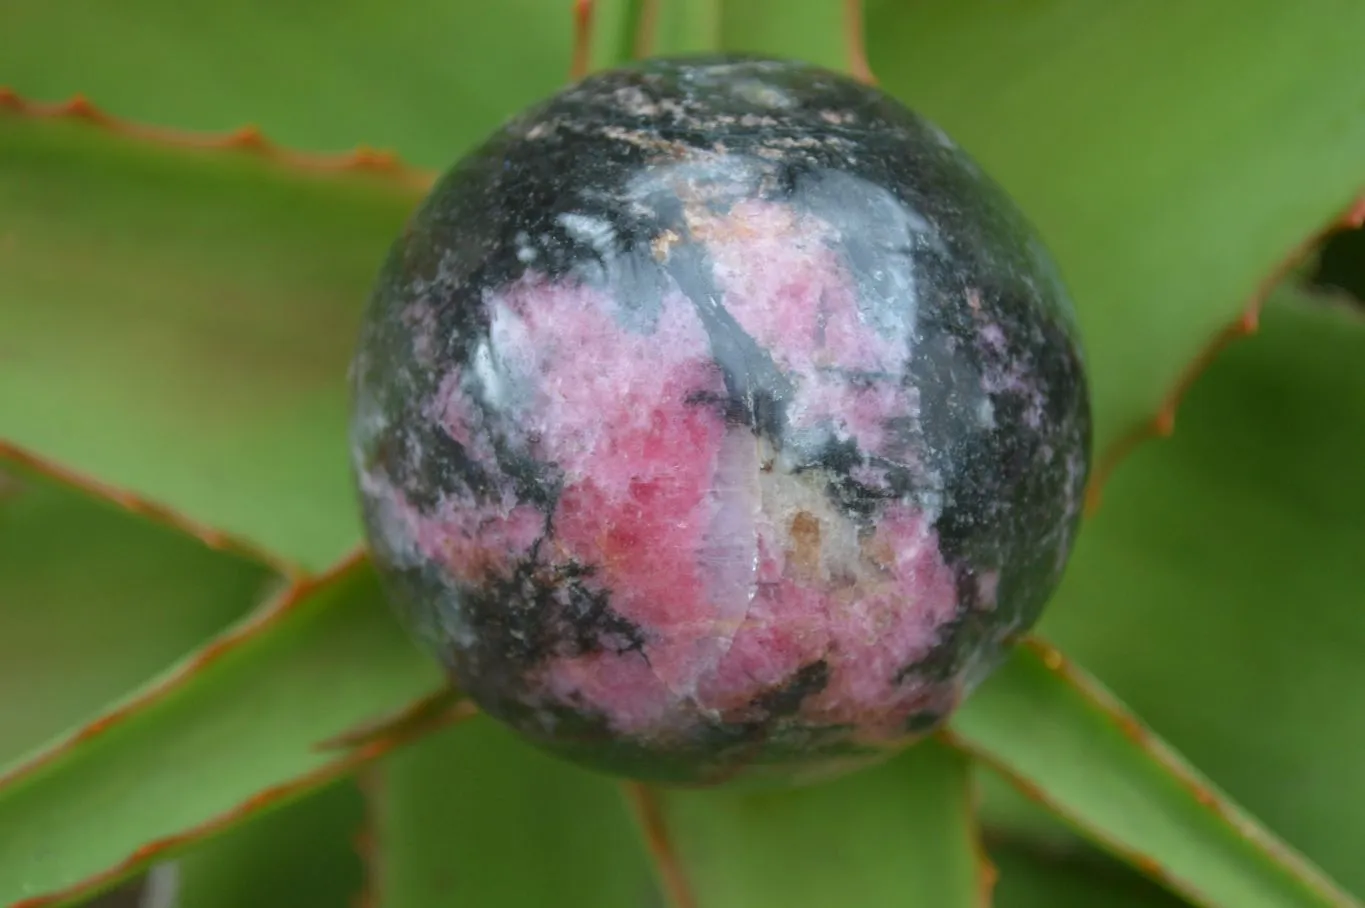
(719, 418)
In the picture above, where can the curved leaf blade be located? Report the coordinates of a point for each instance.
(1033, 879)
(334, 84)
(234, 730)
(677, 26)
(72, 638)
(303, 855)
(1058, 735)
(192, 314)
(1234, 549)
(473, 816)
(425, 77)
(1169, 156)
(901, 834)
(813, 32)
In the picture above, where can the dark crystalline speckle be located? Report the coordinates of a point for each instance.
(719, 418)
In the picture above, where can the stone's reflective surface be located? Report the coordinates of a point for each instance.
(719, 418)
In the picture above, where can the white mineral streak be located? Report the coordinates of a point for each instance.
(875, 224)
(526, 252)
(596, 232)
(502, 367)
(985, 413)
(799, 283)
(633, 101)
(730, 550)
(494, 392)
(761, 93)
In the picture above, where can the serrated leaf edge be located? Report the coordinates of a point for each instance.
(368, 840)
(267, 798)
(1162, 423)
(644, 804)
(147, 509)
(668, 866)
(580, 60)
(258, 622)
(243, 140)
(425, 715)
(646, 28)
(1200, 788)
(855, 38)
(987, 875)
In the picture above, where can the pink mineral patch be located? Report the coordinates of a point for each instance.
(789, 289)
(615, 410)
(866, 631)
(736, 581)
(1015, 378)
(621, 685)
(472, 540)
(475, 541)
(456, 412)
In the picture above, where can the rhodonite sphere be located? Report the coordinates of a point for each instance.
(719, 418)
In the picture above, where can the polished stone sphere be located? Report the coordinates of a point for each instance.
(719, 418)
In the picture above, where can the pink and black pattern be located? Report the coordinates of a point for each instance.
(718, 417)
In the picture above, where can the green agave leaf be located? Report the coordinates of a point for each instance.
(679, 26)
(235, 729)
(150, 890)
(1061, 737)
(1218, 589)
(472, 816)
(94, 602)
(305, 854)
(812, 30)
(1170, 155)
(815, 30)
(1007, 809)
(900, 834)
(191, 316)
(1034, 879)
(423, 76)
(198, 309)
